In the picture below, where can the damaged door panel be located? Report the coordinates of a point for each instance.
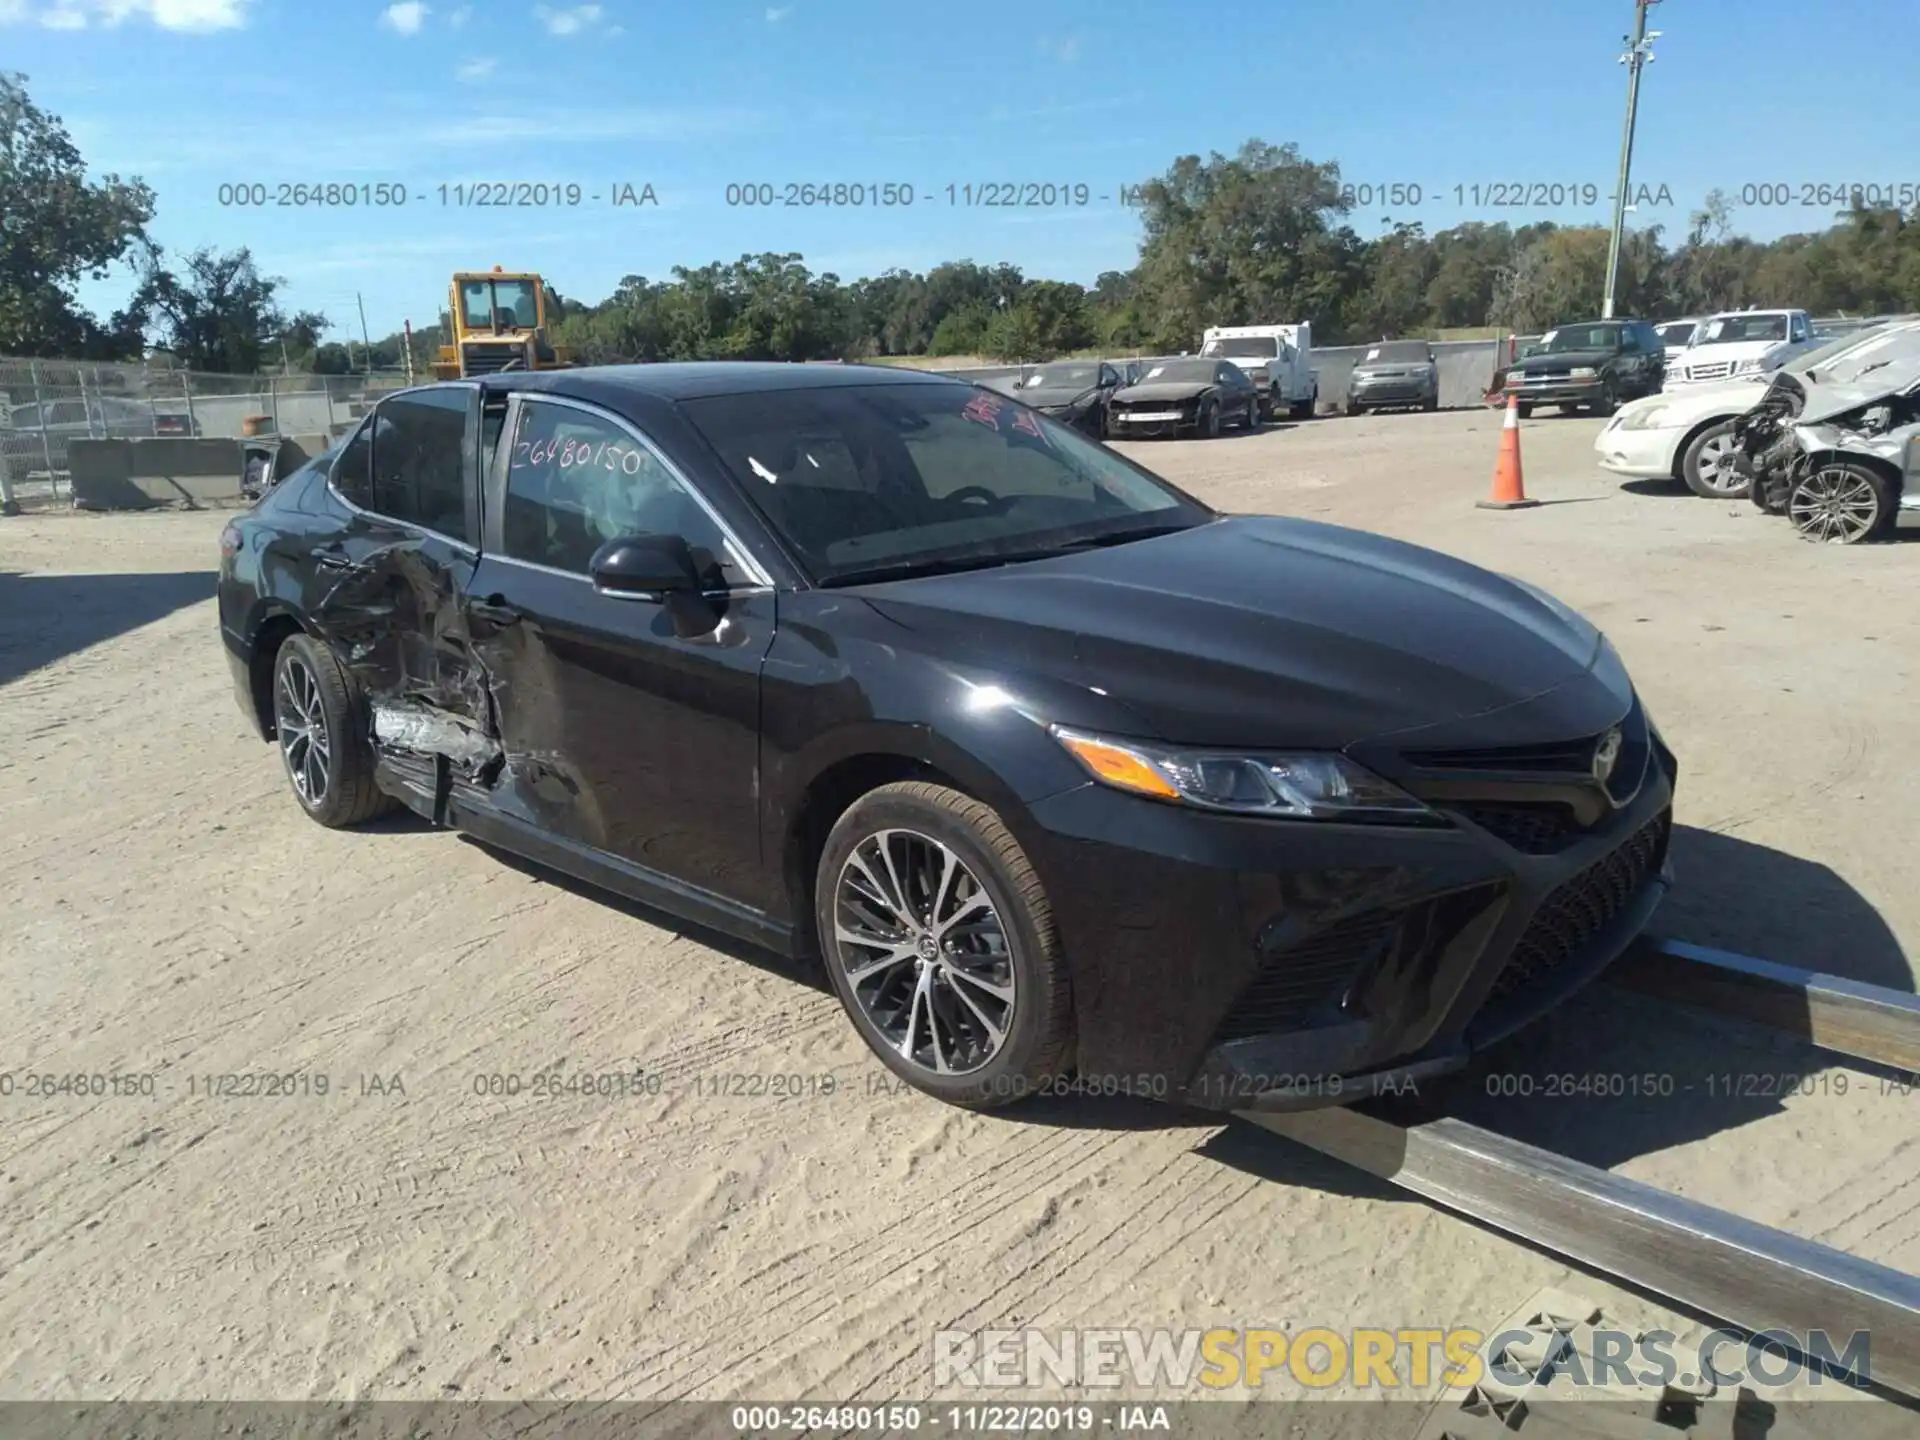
(628, 724)
(394, 583)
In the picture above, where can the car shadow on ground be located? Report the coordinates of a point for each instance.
(1668, 490)
(44, 618)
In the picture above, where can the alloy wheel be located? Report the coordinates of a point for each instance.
(924, 951)
(1716, 465)
(301, 721)
(1834, 504)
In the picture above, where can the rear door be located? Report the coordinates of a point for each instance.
(388, 587)
(621, 735)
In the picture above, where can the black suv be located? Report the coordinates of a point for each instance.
(1593, 365)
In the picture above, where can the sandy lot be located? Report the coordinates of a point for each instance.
(406, 1235)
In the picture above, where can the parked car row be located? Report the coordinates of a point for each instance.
(1831, 438)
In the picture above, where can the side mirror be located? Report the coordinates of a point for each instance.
(644, 567)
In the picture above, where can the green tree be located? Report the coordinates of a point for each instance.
(219, 313)
(56, 228)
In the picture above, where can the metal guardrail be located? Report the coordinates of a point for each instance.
(1748, 1275)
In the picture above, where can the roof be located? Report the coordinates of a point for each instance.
(695, 379)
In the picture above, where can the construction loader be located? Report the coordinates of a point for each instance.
(497, 321)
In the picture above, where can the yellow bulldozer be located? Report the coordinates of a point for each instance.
(497, 321)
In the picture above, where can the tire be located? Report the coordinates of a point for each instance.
(1353, 407)
(1253, 414)
(1706, 465)
(1523, 411)
(1842, 503)
(1210, 421)
(314, 698)
(894, 844)
(1430, 404)
(1303, 409)
(1608, 402)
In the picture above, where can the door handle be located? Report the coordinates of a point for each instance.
(494, 610)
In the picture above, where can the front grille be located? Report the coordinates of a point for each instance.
(1710, 370)
(1559, 757)
(1576, 912)
(1532, 829)
(1303, 980)
(491, 359)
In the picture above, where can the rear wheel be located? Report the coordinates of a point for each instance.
(1841, 504)
(1707, 464)
(319, 723)
(1303, 409)
(940, 943)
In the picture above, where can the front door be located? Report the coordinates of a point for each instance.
(620, 735)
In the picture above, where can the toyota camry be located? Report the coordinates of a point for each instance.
(1063, 776)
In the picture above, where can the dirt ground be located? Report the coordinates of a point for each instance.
(172, 915)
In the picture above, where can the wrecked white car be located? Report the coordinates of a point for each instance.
(1839, 459)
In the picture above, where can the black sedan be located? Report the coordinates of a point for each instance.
(1056, 770)
(1184, 397)
(1074, 392)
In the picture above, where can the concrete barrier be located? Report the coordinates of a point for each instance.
(143, 474)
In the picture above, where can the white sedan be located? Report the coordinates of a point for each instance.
(1687, 434)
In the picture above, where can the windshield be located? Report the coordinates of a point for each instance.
(872, 482)
(1058, 377)
(1399, 352)
(1243, 347)
(1179, 372)
(512, 298)
(1579, 337)
(1674, 335)
(1730, 329)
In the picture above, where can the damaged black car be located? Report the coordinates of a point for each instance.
(1055, 770)
(1838, 455)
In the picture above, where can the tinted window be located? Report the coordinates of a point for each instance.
(1244, 347)
(576, 481)
(353, 476)
(420, 460)
(879, 477)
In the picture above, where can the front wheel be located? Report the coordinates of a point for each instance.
(1841, 504)
(939, 940)
(1609, 400)
(1210, 421)
(1253, 412)
(1522, 412)
(1707, 464)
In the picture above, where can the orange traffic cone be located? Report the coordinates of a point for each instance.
(1509, 489)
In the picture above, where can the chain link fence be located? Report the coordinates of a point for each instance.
(47, 404)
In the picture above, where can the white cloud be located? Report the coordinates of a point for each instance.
(569, 21)
(777, 13)
(405, 17)
(185, 15)
(460, 17)
(477, 69)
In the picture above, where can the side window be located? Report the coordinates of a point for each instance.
(1799, 327)
(420, 460)
(353, 472)
(1107, 376)
(576, 481)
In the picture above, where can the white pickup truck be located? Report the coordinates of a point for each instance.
(1739, 342)
(1278, 359)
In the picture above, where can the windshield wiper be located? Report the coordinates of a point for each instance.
(950, 565)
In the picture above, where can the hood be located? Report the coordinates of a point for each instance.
(1163, 390)
(1260, 632)
(1563, 359)
(1868, 387)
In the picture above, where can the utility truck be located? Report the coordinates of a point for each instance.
(1278, 359)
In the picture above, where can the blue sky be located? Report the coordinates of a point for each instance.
(690, 97)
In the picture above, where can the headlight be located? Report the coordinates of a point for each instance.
(1582, 372)
(1647, 419)
(1311, 786)
(1746, 367)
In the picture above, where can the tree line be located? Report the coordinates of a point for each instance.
(1265, 234)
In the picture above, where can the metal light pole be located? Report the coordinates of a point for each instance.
(1639, 52)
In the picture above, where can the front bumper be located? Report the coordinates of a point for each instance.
(1556, 391)
(1649, 454)
(1385, 393)
(1236, 963)
(1124, 426)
